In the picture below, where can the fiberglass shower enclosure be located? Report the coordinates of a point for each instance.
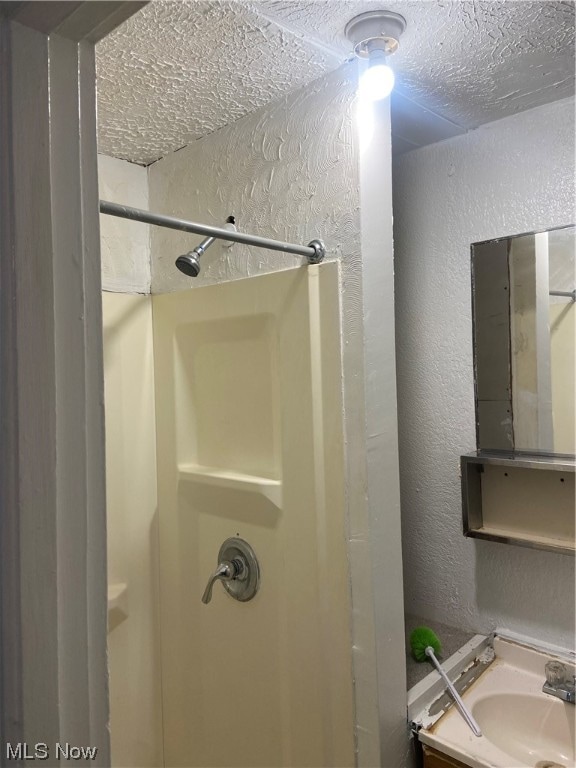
(249, 445)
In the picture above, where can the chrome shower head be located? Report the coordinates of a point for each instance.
(189, 264)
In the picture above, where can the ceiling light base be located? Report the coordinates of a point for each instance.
(375, 30)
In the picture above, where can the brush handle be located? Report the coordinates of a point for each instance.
(466, 714)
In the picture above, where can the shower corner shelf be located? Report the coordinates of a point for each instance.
(225, 478)
(117, 604)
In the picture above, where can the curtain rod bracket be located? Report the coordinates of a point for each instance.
(319, 251)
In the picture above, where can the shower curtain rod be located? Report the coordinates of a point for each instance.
(314, 251)
(567, 294)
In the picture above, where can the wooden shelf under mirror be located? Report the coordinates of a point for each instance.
(520, 499)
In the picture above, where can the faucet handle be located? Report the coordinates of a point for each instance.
(556, 673)
(238, 571)
(224, 572)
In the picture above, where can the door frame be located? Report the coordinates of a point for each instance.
(53, 581)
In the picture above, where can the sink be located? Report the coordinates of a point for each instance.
(522, 727)
(537, 730)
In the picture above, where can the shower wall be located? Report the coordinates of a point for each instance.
(250, 445)
(133, 624)
(133, 639)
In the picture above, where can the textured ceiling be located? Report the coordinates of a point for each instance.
(176, 71)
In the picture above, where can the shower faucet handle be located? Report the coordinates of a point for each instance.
(224, 572)
(237, 569)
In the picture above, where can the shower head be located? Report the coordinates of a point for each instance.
(189, 264)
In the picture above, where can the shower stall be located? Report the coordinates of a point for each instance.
(249, 445)
(241, 386)
(249, 451)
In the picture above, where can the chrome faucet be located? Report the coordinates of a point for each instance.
(560, 681)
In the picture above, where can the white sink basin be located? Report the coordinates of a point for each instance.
(533, 729)
(522, 727)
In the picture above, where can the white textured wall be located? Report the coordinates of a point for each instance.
(287, 171)
(290, 171)
(510, 176)
(125, 245)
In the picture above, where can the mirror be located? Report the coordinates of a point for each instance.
(524, 322)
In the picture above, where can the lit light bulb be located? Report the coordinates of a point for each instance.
(377, 81)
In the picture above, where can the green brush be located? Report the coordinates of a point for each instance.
(422, 638)
(425, 645)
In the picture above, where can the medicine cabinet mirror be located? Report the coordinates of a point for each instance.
(524, 310)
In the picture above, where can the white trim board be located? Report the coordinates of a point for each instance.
(53, 665)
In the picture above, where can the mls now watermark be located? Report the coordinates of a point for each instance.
(42, 751)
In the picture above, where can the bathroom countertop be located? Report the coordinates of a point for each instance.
(451, 639)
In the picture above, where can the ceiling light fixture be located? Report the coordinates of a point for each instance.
(375, 36)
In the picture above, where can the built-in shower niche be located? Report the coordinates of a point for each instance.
(226, 404)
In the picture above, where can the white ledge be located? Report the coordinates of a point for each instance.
(225, 478)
